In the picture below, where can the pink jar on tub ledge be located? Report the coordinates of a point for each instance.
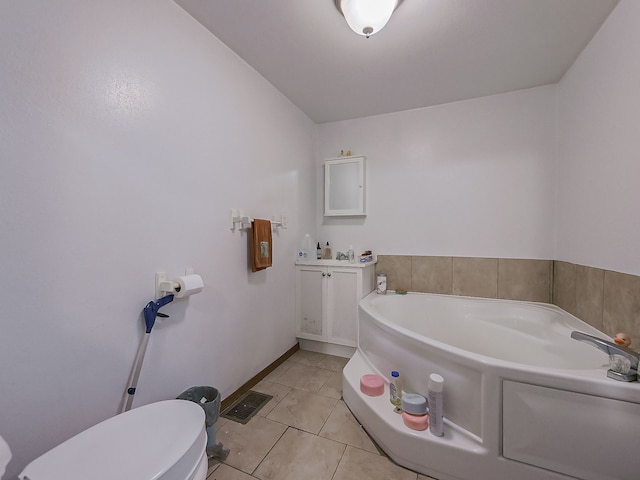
(414, 411)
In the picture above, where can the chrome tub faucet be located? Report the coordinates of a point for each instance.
(613, 350)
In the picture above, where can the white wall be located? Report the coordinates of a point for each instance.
(598, 220)
(471, 178)
(127, 133)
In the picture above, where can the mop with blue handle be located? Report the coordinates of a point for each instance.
(150, 312)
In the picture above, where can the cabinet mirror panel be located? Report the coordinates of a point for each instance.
(344, 186)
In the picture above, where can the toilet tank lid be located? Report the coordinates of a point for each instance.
(142, 443)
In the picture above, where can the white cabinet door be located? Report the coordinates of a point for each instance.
(327, 301)
(310, 297)
(343, 294)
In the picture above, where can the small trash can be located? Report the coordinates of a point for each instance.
(209, 399)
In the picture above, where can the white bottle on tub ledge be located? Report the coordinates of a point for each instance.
(435, 398)
(395, 391)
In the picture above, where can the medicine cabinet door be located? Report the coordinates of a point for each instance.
(344, 186)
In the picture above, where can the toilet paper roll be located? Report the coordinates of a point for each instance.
(188, 285)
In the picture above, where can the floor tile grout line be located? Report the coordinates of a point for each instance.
(305, 432)
(272, 447)
(331, 373)
(328, 417)
(375, 444)
(339, 461)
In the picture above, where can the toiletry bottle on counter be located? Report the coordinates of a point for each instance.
(318, 252)
(395, 390)
(306, 247)
(327, 252)
(435, 398)
(381, 283)
(351, 254)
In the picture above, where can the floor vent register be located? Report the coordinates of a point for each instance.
(243, 409)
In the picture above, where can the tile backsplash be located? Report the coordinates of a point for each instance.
(607, 300)
(511, 279)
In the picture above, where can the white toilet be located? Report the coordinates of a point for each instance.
(159, 441)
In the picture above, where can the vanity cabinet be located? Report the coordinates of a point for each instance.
(327, 296)
(344, 186)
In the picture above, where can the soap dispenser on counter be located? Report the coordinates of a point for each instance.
(327, 252)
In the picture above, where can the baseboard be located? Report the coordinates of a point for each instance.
(256, 379)
(327, 348)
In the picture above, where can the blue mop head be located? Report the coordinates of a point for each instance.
(151, 310)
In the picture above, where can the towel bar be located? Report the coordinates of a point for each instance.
(243, 222)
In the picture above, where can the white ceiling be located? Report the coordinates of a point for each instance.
(430, 52)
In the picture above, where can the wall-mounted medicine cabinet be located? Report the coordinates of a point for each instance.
(344, 186)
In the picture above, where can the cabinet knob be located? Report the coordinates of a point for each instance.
(324, 274)
(328, 274)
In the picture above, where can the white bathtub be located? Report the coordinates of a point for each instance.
(522, 399)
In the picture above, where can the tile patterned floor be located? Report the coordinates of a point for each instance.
(305, 432)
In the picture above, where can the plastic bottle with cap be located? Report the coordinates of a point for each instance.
(306, 247)
(435, 389)
(395, 390)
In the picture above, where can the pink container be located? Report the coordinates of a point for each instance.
(415, 422)
(372, 385)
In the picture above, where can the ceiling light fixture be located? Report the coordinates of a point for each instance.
(367, 17)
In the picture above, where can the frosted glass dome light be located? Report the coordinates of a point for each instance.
(367, 17)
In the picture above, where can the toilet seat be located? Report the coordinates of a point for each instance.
(160, 441)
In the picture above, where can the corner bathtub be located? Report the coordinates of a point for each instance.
(521, 398)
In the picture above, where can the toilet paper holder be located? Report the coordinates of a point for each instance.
(186, 285)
